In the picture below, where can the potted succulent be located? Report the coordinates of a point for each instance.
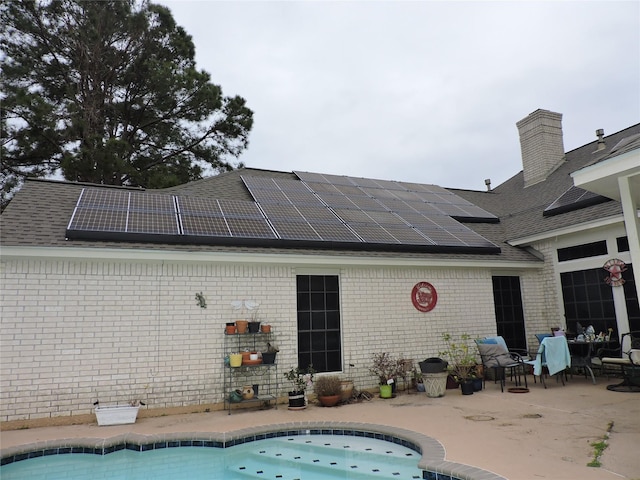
(462, 360)
(300, 379)
(384, 367)
(328, 389)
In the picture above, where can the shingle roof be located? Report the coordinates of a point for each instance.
(39, 213)
(521, 209)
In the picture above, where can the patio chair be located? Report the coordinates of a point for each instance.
(496, 357)
(628, 361)
(553, 354)
(540, 336)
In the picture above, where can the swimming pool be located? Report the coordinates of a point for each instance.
(306, 451)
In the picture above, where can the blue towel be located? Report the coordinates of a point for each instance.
(556, 353)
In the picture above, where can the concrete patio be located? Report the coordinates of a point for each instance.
(543, 434)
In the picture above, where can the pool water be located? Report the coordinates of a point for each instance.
(301, 457)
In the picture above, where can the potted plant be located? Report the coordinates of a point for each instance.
(328, 389)
(269, 356)
(243, 307)
(416, 380)
(462, 360)
(254, 322)
(384, 367)
(300, 379)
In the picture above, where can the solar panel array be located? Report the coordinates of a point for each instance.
(573, 199)
(125, 212)
(348, 209)
(317, 210)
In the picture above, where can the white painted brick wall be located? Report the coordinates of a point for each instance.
(74, 332)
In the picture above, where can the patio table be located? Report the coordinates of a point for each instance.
(582, 352)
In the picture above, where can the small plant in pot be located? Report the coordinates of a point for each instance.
(462, 360)
(384, 367)
(416, 380)
(299, 379)
(328, 389)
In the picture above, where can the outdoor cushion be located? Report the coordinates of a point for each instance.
(494, 355)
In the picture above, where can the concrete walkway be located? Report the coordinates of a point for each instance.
(543, 434)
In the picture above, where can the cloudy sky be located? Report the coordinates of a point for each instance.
(421, 91)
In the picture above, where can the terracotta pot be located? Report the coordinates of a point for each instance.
(246, 356)
(347, 389)
(329, 400)
(242, 325)
(230, 329)
(265, 328)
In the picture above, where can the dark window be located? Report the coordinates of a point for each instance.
(588, 300)
(509, 314)
(319, 339)
(623, 244)
(582, 251)
(631, 299)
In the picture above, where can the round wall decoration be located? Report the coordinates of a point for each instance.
(424, 296)
(615, 267)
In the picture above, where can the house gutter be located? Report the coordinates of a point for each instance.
(140, 255)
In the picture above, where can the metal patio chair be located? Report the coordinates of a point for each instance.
(496, 357)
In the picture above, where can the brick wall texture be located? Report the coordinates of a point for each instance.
(74, 332)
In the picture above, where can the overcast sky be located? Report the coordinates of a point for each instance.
(420, 91)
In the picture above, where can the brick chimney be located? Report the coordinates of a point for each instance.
(541, 145)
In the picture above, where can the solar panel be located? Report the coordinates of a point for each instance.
(379, 193)
(336, 210)
(151, 203)
(323, 188)
(317, 213)
(198, 205)
(574, 198)
(367, 203)
(364, 182)
(349, 190)
(425, 209)
(374, 233)
(302, 198)
(353, 216)
(269, 196)
(98, 220)
(334, 231)
(389, 185)
(336, 201)
(289, 230)
(104, 198)
(152, 223)
(407, 235)
(208, 226)
(386, 218)
(288, 185)
(395, 205)
(280, 211)
(311, 177)
(249, 228)
(238, 208)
